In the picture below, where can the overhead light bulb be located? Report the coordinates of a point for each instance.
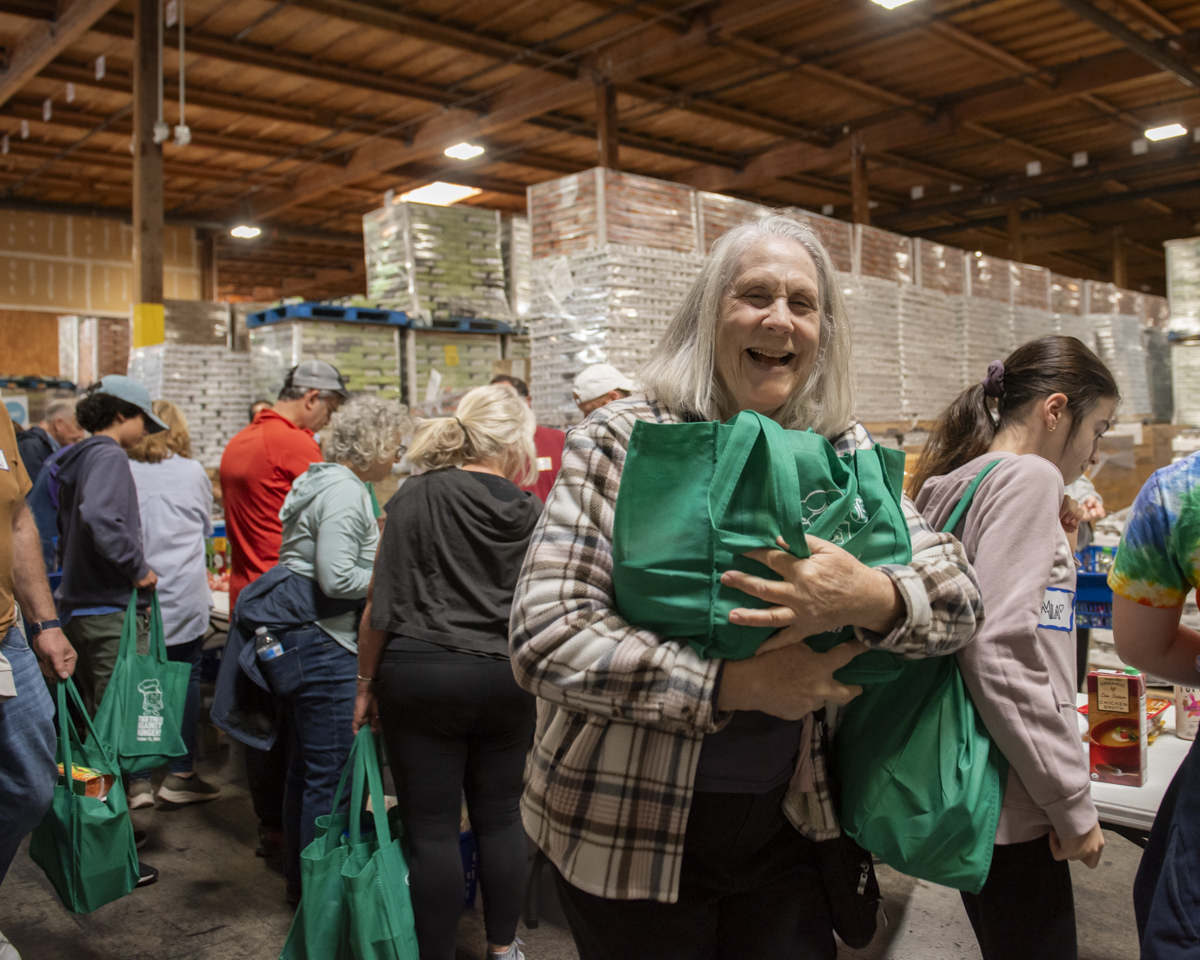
(245, 232)
(1165, 133)
(892, 4)
(441, 194)
(463, 151)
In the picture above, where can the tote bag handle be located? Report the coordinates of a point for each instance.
(749, 429)
(66, 726)
(364, 762)
(158, 643)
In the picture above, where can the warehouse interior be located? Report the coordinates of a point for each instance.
(201, 194)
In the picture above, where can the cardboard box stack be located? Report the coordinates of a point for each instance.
(366, 354)
(1117, 318)
(213, 388)
(435, 262)
(457, 362)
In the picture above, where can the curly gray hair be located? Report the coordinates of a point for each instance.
(365, 431)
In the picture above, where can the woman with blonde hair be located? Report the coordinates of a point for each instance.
(175, 502)
(433, 660)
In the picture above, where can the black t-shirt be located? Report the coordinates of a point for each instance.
(449, 559)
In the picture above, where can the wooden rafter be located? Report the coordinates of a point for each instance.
(45, 40)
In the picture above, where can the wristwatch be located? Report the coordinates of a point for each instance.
(37, 626)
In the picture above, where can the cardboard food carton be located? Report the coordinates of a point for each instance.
(1117, 726)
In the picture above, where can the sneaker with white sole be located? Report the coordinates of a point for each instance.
(146, 874)
(512, 953)
(7, 950)
(141, 794)
(176, 789)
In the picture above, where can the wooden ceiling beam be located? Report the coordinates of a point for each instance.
(1162, 25)
(1144, 48)
(42, 41)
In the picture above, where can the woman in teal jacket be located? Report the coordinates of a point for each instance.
(329, 537)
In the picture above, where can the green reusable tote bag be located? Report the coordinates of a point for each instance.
(695, 497)
(921, 780)
(141, 714)
(85, 845)
(355, 903)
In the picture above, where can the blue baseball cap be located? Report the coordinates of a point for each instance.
(129, 390)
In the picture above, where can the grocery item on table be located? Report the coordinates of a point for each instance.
(1117, 728)
(1187, 712)
(87, 782)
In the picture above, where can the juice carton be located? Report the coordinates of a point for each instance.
(1187, 712)
(87, 782)
(1117, 726)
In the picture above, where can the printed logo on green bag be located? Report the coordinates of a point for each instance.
(817, 502)
(150, 723)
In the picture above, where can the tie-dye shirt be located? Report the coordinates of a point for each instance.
(1159, 558)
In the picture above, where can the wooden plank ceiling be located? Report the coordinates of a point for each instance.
(304, 112)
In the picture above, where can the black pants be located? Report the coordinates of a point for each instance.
(749, 887)
(1026, 910)
(266, 778)
(454, 722)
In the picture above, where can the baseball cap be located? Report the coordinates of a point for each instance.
(599, 379)
(319, 375)
(129, 390)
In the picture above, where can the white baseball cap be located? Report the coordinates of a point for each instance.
(599, 379)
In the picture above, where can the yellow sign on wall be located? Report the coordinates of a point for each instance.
(149, 328)
(450, 351)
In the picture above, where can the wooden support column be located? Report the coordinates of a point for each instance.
(147, 158)
(1016, 244)
(859, 195)
(607, 144)
(1120, 268)
(207, 240)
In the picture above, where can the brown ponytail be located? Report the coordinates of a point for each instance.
(1033, 371)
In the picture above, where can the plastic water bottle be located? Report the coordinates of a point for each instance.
(266, 646)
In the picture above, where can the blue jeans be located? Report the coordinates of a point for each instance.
(28, 770)
(184, 653)
(315, 682)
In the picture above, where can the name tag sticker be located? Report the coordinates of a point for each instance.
(3, 461)
(545, 463)
(1058, 609)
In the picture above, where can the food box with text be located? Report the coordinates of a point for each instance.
(1117, 727)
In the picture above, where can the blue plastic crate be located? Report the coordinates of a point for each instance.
(1093, 600)
(326, 311)
(469, 851)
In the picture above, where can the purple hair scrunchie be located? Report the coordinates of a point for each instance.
(993, 383)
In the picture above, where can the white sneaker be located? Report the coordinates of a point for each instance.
(512, 953)
(7, 950)
(141, 794)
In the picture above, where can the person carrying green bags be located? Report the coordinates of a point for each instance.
(646, 753)
(100, 534)
(1031, 426)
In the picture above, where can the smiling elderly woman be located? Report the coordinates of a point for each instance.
(658, 782)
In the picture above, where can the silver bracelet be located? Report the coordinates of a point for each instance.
(366, 679)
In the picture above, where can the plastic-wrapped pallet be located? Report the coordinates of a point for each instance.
(1116, 316)
(436, 262)
(883, 255)
(517, 248)
(939, 267)
(719, 213)
(461, 361)
(1183, 286)
(366, 354)
(212, 386)
(1032, 318)
(873, 307)
(987, 330)
(606, 305)
(1185, 377)
(1157, 348)
(588, 210)
(1067, 306)
(837, 235)
(929, 349)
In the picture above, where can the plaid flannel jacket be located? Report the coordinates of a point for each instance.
(622, 712)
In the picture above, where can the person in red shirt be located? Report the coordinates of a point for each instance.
(548, 441)
(257, 470)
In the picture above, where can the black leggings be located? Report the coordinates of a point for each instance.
(1026, 909)
(454, 722)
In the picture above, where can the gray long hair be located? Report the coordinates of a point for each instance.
(681, 372)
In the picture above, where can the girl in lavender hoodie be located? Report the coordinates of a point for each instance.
(1040, 413)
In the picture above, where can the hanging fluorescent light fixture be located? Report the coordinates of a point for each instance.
(441, 194)
(1167, 132)
(245, 232)
(464, 151)
(891, 4)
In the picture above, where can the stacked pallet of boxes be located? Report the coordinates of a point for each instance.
(987, 329)
(1067, 308)
(1116, 316)
(872, 297)
(1156, 341)
(1032, 316)
(613, 256)
(364, 345)
(1183, 292)
(931, 315)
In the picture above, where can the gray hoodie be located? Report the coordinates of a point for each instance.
(330, 536)
(1021, 668)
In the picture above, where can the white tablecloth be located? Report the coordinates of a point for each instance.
(1136, 806)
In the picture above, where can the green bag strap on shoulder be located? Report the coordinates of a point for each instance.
(964, 503)
(784, 488)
